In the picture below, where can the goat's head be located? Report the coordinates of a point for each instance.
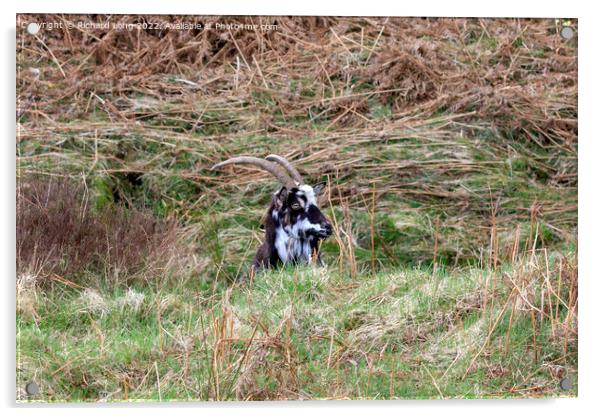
(297, 210)
(295, 215)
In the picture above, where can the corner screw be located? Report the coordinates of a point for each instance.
(32, 388)
(567, 32)
(33, 28)
(566, 384)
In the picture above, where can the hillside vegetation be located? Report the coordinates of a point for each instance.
(449, 147)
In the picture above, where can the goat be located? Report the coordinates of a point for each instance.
(294, 225)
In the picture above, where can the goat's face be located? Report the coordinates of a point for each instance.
(297, 211)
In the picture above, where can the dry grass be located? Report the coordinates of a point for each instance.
(440, 120)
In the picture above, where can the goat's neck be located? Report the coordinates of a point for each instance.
(290, 244)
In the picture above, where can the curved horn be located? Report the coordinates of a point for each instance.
(288, 166)
(260, 163)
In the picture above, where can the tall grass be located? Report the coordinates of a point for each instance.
(305, 333)
(435, 120)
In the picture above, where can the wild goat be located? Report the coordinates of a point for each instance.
(294, 225)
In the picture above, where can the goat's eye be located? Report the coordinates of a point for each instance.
(295, 206)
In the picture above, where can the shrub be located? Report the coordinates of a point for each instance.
(60, 233)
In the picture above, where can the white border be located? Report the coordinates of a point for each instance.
(509, 8)
(590, 346)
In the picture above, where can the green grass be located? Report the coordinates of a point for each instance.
(294, 333)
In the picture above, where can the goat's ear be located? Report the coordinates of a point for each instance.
(282, 195)
(318, 188)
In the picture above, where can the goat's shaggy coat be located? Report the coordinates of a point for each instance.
(292, 236)
(294, 225)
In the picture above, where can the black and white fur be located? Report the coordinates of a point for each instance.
(294, 227)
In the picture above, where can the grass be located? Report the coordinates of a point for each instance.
(304, 333)
(452, 180)
(461, 181)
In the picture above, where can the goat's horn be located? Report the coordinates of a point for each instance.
(288, 166)
(260, 163)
